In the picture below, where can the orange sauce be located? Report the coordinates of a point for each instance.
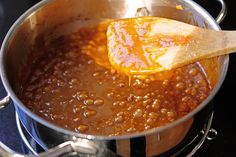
(74, 86)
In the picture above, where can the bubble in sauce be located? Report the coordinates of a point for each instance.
(82, 128)
(82, 96)
(98, 102)
(193, 71)
(119, 119)
(89, 113)
(138, 113)
(88, 102)
(179, 85)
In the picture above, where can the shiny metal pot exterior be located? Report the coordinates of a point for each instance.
(50, 19)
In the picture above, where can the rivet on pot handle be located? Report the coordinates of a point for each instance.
(222, 13)
(5, 102)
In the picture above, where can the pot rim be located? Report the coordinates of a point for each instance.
(13, 96)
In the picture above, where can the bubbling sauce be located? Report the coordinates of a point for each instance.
(75, 87)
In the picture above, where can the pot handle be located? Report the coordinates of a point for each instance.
(222, 13)
(81, 147)
(5, 102)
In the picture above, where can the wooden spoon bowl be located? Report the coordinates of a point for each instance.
(146, 45)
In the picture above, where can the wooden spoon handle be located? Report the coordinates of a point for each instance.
(216, 43)
(204, 44)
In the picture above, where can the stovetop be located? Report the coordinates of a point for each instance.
(224, 117)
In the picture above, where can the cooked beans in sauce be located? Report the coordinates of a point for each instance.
(74, 86)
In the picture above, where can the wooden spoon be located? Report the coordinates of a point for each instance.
(145, 45)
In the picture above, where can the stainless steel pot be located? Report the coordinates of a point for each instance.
(51, 18)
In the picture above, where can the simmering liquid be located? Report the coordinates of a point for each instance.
(74, 86)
